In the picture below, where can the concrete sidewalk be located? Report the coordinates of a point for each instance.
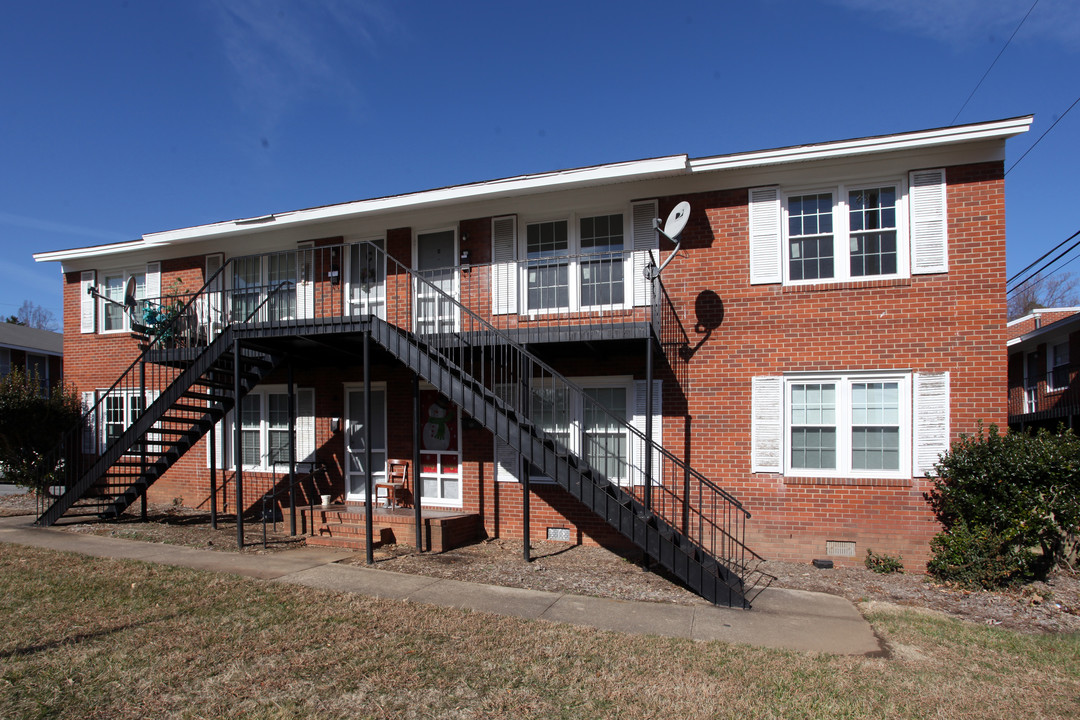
(787, 619)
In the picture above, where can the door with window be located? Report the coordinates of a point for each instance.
(434, 307)
(440, 450)
(355, 470)
(365, 279)
(1032, 375)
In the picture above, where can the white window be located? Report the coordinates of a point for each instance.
(277, 285)
(115, 412)
(851, 425)
(1058, 358)
(574, 264)
(113, 282)
(264, 429)
(848, 426)
(848, 232)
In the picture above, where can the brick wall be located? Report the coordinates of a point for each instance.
(925, 323)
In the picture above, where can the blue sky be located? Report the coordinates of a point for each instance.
(119, 118)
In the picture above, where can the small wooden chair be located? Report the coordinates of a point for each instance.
(397, 476)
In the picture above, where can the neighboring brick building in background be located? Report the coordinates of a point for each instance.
(1044, 389)
(835, 314)
(39, 352)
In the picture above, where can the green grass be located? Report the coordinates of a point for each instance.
(91, 638)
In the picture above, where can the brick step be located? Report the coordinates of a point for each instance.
(348, 543)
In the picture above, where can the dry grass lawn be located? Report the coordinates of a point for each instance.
(96, 638)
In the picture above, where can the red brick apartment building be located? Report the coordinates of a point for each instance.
(832, 317)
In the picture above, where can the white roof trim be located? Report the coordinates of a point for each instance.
(882, 143)
(598, 175)
(1051, 329)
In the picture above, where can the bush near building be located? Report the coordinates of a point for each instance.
(1010, 506)
(31, 424)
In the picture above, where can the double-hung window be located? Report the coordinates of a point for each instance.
(587, 426)
(848, 425)
(112, 287)
(1059, 366)
(578, 264)
(264, 428)
(844, 233)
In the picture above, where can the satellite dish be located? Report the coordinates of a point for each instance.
(676, 221)
(129, 294)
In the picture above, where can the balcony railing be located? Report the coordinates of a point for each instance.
(1046, 395)
(561, 298)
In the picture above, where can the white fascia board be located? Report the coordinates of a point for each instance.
(521, 185)
(93, 251)
(883, 143)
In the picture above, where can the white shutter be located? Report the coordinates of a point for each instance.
(153, 280)
(504, 281)
(88, 308)
(645, 240)
(305, 425)
(766, 253)
(931, 420)
(637, 465)
(89, 434)
(929, 235)
(507, 462)
(767, 424)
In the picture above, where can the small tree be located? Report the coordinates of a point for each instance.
(31, 425)
(1010, 506)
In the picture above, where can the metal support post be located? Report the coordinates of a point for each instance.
(238, 449)
(369, 486)
(418, 516)
(142, 453)
(292, 451)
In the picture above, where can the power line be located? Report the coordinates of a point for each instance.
(1060, 118)
(1031, 277)
(977, 85)
(1039, 260)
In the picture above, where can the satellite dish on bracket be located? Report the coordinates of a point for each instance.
(676, 223)
(129, 294)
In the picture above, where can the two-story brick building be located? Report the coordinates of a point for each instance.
(833, 316)
(1044, 383)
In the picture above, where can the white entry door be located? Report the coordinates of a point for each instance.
(355, 472)
(436, 262)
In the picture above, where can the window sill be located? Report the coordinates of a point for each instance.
(847, 285)
(849, 482)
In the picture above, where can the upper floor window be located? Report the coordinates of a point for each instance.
(1059, 366)
(847, 234)
(852, 231)
(5, 361)
(38, 366)
(113, 317)
(571, 266)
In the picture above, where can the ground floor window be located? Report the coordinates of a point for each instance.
(264, 429)
(848, 425)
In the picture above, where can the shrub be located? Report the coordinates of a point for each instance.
(1010, 506)
(31, 425)
(883, 563)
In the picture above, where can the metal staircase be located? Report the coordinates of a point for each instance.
(679, 518)
(156, 411)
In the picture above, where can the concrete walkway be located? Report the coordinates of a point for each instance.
(787, 619)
